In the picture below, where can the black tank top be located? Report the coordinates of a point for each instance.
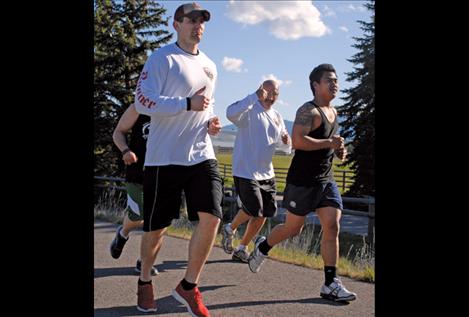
(309, 168)
(138, 144)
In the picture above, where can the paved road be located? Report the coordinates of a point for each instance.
(229, 288)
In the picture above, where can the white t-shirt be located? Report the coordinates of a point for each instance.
(176, 136)
(259, 133)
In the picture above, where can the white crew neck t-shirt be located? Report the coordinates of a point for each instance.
(176, 136)
(259, 133)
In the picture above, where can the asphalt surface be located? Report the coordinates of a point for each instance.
(229, 288)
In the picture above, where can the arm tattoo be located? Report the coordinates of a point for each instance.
(304, 115)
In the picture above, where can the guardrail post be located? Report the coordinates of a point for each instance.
(343, 181)
(371, 223)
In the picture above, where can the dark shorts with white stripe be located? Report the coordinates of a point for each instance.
(301, 200)
(256, 198)
(162, 192)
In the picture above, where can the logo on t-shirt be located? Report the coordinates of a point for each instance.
(208, 72)
(145, 130)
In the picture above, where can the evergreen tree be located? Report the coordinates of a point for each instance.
(359, 111)
(124, 33)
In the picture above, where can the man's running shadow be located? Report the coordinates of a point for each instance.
(124, 271)
(169, 305)
(165, 305)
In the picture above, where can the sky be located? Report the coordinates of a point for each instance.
(251, 41)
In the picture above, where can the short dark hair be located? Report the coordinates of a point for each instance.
(317, 72)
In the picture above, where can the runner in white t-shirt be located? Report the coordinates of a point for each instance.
(260, 130)
(176, 89)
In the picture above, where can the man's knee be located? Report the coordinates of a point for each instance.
(331, 229)
(155, 235)
(209, 219)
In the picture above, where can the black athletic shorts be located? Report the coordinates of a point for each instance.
(256, 198)
(162, 191)
(301, 200)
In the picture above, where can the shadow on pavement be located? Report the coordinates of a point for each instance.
(231, 261)
(164, 305)
(168, 304)
(317, 301)
(119, 271)
(119, 311)
(171, 265)
(105, 226)
(114, 271)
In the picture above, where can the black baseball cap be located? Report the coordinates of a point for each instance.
(191, 10)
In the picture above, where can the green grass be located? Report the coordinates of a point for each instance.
(109, 205)
(224, 158)
(358, 265)
(279, 161)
